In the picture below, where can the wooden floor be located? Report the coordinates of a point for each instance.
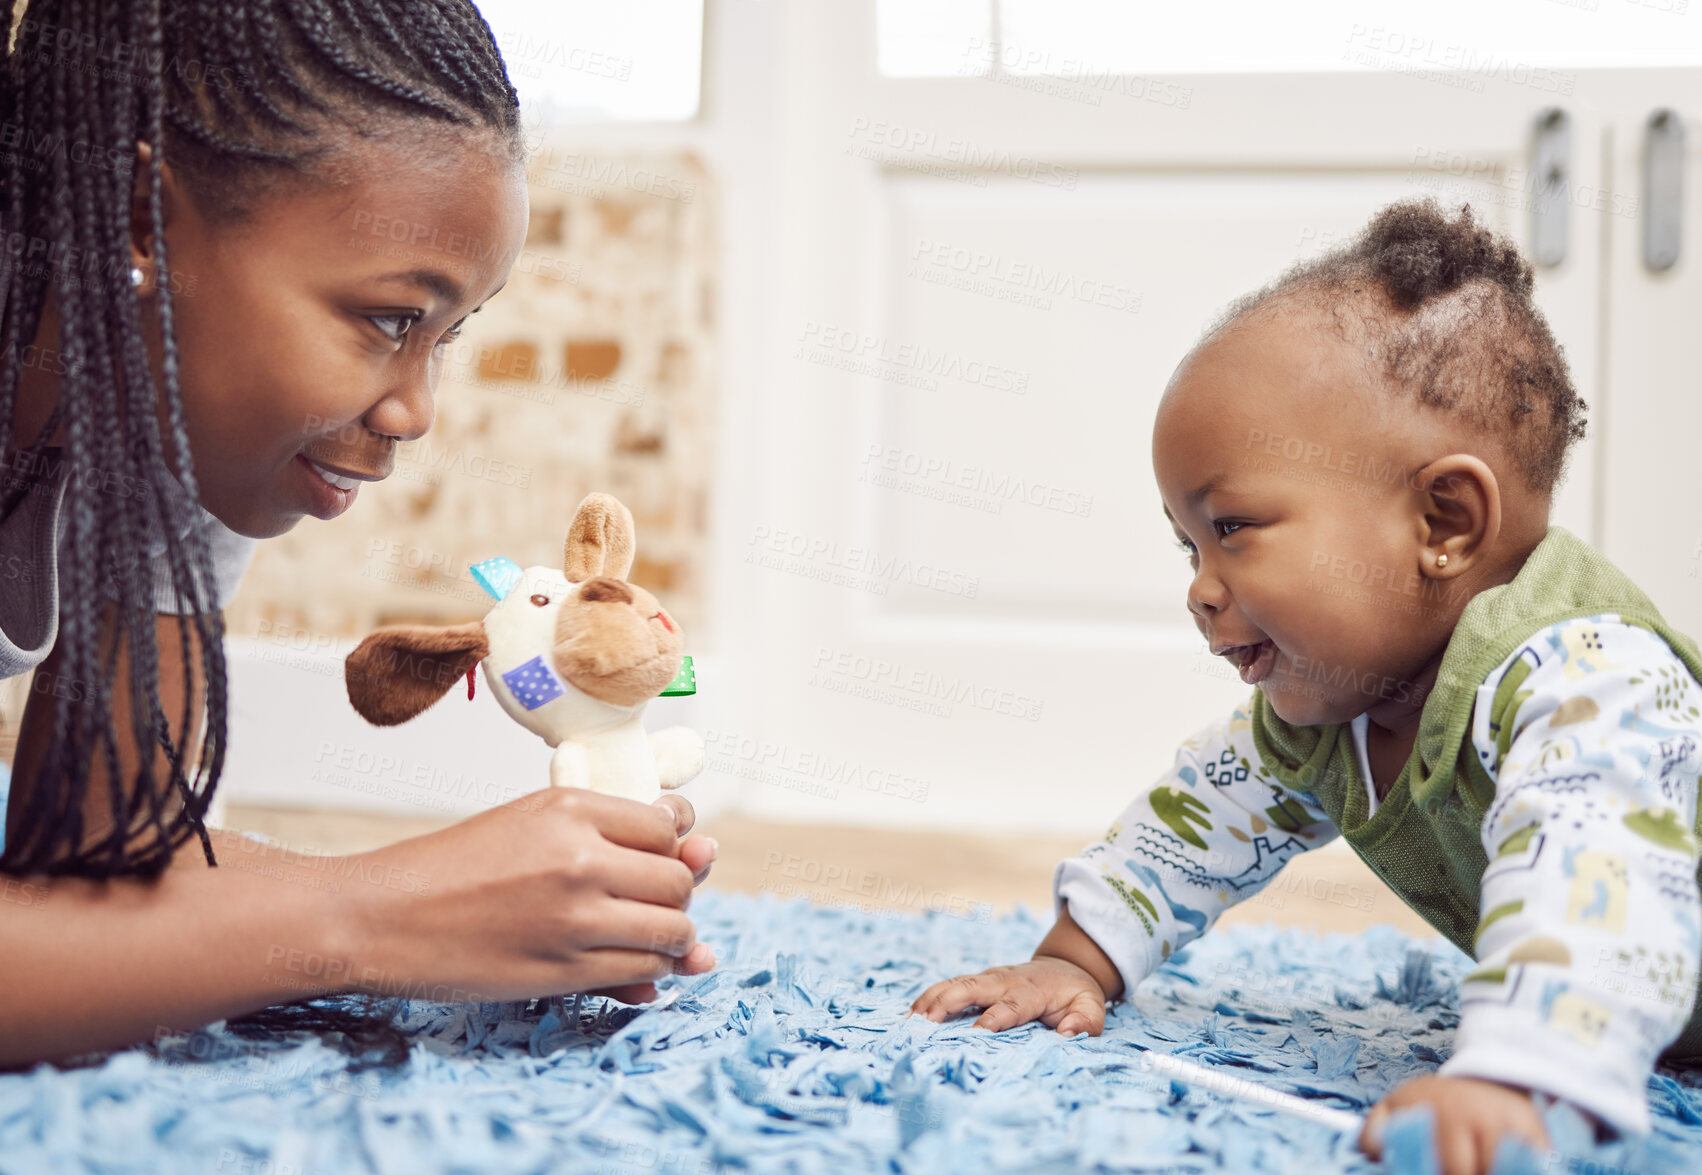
(1327, 889)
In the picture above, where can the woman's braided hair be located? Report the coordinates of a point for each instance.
(1444, 310)
(243, 98)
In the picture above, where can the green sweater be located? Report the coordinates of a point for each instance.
(1424, 838)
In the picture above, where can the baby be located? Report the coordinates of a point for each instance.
(1359, 460)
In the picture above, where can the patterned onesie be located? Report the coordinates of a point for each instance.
(1588, 940)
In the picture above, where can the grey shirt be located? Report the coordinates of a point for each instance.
(29, 570)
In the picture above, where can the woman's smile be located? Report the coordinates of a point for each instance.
(328, 493)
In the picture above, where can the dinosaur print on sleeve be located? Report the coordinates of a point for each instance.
(1212, 831)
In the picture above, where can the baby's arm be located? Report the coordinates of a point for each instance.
(1210, 832)
(1592, 872)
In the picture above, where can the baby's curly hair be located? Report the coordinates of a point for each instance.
(1443, 306)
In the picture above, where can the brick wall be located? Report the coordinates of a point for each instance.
(593, 370)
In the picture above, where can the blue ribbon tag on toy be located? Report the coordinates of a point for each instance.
(497, 576)
(533, 683)
(685, 681)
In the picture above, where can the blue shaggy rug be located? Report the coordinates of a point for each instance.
(797, 1056)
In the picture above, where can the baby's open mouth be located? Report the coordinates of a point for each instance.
(1253, 661)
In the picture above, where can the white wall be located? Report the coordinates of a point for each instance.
(1191, 205)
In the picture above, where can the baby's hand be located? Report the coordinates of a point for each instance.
(1054, 991)
(1471, 1117)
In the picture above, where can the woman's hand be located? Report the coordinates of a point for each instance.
(559, 891)
(1471, 1117)
(698, 852)
(1054, 991)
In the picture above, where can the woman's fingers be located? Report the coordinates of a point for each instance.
(699, 959)
(603, 969)
(651, 828)
(680, 810)
(698, 853)
(627, 974)
(647, 827)
(642, 927)
(628, 993)
(645, 877)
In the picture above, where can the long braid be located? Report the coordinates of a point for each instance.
(232, 94)
(189, 557)
(83, 452)
(208, 620)
(70, 755)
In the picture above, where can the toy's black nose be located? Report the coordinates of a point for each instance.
(605, 590)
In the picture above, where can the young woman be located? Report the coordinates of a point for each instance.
(203, 337)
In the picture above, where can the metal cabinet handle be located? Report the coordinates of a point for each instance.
(1663, 189)
(1551, 172)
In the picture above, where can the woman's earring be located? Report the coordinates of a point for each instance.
(137, 277)
(1441, 561)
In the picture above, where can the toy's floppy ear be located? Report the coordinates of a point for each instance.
(397, 672)
(599, 542)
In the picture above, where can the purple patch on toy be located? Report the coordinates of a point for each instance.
(532, 684)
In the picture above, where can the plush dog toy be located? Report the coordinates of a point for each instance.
(572, 655)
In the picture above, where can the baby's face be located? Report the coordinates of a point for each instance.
(1284, 469)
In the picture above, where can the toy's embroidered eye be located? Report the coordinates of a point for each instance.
(540, 600)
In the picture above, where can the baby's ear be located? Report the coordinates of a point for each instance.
(397, 672)
(599, 540)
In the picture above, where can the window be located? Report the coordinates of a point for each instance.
(930, 38)
(577, 61)
(1505, 38)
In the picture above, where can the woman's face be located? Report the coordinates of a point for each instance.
(310, 335)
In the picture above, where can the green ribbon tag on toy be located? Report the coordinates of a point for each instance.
(685, 681)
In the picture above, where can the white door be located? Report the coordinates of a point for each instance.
(1652, 513)
(949, 596)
